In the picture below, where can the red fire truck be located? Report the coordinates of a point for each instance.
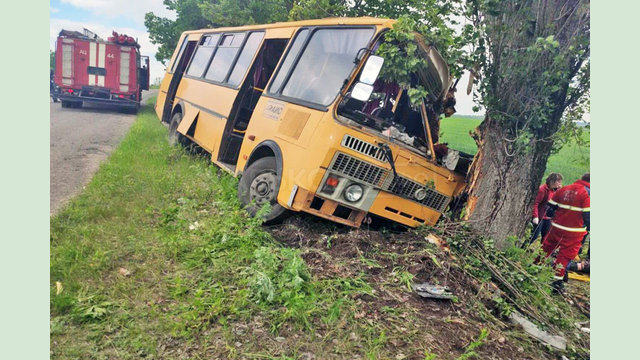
(92, 70)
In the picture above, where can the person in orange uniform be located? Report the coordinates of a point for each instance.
(569, 210)
(541, 222)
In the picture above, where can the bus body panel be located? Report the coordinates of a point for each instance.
(281, 33)
(208, 131)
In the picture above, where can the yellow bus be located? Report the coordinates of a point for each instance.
(297, 110)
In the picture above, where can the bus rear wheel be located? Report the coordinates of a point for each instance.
(258, 186)
(174, 136)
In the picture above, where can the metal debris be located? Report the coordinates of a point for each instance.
(556, 341)
(430, 291)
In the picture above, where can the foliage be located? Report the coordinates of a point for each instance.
(245, 12)
(52, 60)
(198, 14)
(532, 61)
(403, 59)
(166, 33)
(318, 9)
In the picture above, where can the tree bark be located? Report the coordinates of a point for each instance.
(502, 186)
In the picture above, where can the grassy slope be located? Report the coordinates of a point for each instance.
(571, 161)
(155, 259)
(223, 288)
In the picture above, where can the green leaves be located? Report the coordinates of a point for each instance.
(198, 14)
(279, 276)
(402, 58)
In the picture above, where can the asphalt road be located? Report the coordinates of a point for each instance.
(80, 139)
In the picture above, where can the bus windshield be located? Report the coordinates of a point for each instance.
(389, 111)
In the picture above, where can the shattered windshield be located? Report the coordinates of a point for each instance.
(389, 110)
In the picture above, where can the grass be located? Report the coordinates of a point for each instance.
(157, 259)
(572, 161)
(156, 252)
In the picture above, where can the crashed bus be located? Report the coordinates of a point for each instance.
(298, 112)
(89, 69)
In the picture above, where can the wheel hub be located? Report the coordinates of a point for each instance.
(262, 188)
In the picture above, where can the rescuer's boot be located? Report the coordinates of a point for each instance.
(558, 287)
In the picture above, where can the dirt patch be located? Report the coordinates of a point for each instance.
(390, 261)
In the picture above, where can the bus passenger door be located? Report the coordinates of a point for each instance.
(250, 91)
(182, 62)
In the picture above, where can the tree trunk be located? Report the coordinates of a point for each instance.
(502, 186)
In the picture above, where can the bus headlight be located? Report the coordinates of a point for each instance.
(420, 194)
(353, 193)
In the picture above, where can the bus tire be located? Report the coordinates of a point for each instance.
(257, 186)
(174, 136)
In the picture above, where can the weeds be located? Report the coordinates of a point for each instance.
(469, 351)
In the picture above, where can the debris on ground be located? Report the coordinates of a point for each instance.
(427, 290)
(124, 272)
(556, 341)
(194, 226)
(439, 242)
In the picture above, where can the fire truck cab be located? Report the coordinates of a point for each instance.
(89, 69)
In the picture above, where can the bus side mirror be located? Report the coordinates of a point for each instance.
(371, 70)
(362, 89)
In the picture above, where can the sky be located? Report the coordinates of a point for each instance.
(104, 16)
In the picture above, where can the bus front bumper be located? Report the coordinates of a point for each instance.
(388, 206)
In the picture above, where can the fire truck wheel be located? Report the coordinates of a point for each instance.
(174, 136)
(257, 186)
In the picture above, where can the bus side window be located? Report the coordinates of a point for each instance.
(202, 55)
(268, 60)
(223, 58)
(294, 49)
(325, 64)
(244, 60)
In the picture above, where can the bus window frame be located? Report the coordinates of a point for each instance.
(312, 29)
(177, 59)
(233, 63)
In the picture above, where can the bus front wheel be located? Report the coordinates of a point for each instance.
(258, 186)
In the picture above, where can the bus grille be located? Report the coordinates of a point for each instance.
(363, 147)
(407, 188)
(359, 170)
(381, 178)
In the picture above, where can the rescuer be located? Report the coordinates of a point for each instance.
(545, 192)
(569, 211)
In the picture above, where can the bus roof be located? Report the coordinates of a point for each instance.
(365, 20)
